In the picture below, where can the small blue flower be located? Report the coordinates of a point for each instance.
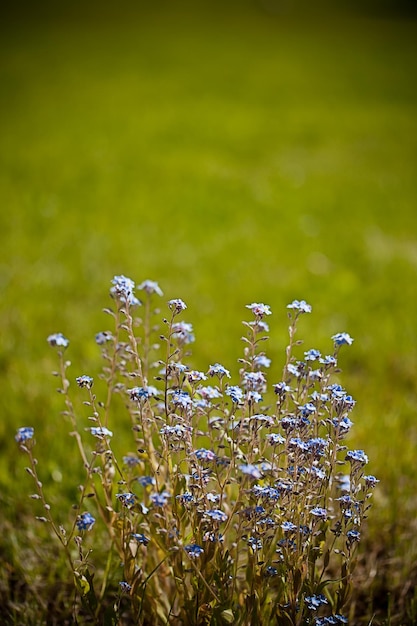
(125, 587)
(218, 370)
(160, 499)
(254, 381)
(85, 521)
(194, 376)
(84, 381)
(259, 309)
(261, 361)
(288, 527)
(146, 481)
(127, 499)
(150, 287)
(142, 393)
(293, 370)
(194, 551)
(271, 571)
(185, 498)
(357, 457)
(122, 290)
(312, 355)
(255, 543)
(314, 602)
(100, 432)
(235, 393)
(25, 433)
(103, 337)
(319, 512)
(275, 439)
(342, 338)
(209, 393)
(183, 331)
(57, 340)
(300, 305)
(140, 538)
(281, 389)
(353, 535)
(328, 360)
(131, 461)
(216, 514)
(177, 305)
(370, 481)
(203, 454)
(250, 470)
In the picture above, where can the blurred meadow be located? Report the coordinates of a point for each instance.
(234, 152)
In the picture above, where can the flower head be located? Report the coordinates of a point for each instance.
(84, 381)
(218, 370)
(259, 309)
(250, 470)
(140, 538)
(57, 340)
(127, 499)
(85, 521)
(217, 515)
(160, 499)
(24, 434)
(100, 432)
(342, 338)
(300, 306)
(122, 290)
(357, 457)
(319, 512)
(177, 305)
(150, 287)
(193, 550)
(103, 337)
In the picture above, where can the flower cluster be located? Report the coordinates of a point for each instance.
(241, 502)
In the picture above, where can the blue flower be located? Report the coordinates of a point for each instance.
(177, 305)
(259, 309)
(193, 550)
(357, 457)
(209, 393)
(353, 535)
(131, 461)
(194, 376)
(312, 355)
(261, 361)
(271, 571)
(288, 527)
(140, 538)
(183, 331)
(300, 305)
(250, 470)
(328, 360)
(103, 337)
(143, 393)
(218, 370)
(185, 498)
(275, 439)
(254, 381)
(203, 454)
(24, 434)
(127, 499)
(122, 290)
(216, 514)
(100, 432)
(57, 340)
(85, 521)
(342, 338)
(125, 587)
(84, 381)
(370, 481)
(150, 287)
(160, 499)
(146, 481)
(281, 389)
(314, 602)
(255, 543)
(235, 393)
(319, 512)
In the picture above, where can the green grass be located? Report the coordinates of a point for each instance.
(232, 155)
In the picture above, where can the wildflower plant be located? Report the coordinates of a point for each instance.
(238, 502)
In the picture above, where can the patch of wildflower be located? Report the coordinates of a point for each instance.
(238, 502)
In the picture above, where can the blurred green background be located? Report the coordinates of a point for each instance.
(234, 152)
